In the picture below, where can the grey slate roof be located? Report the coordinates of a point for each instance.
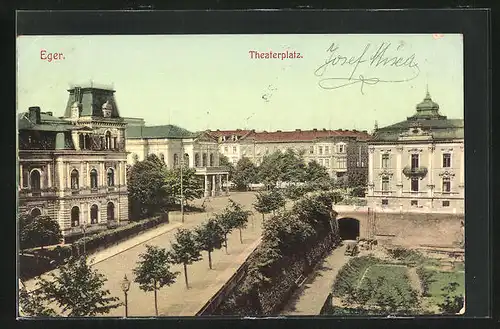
(48, 123)
(91, 100)
(164, 131)
(427, 118)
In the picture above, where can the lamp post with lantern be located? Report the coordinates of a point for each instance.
(125, 285)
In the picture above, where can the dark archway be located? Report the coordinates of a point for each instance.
(348, 228)
(94, 214)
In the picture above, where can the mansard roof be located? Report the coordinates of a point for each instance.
(90, 99)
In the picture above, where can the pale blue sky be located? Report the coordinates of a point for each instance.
(178, 79)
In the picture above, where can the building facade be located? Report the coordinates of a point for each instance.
(73, 168)
(176, 146)
(333, 149)
(418, 164)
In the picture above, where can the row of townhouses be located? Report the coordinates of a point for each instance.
(73, 168)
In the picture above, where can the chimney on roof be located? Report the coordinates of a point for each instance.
(324, 129)
(278, 131)
(365, 131)
(315, 129)
(354, 130)
(218, 130)
(34, 114)
(297, 130)
(49, 113)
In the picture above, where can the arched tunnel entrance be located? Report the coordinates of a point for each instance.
(348, 228)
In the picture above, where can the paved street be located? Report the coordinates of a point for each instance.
(176, 300)
(309, 298)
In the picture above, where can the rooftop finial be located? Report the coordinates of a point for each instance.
(427, 94)
(376, 125)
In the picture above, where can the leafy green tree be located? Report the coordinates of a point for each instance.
(281, 167)
(316, 172)
(278, 201)
(224, 162)
(192, 185)
(78, 290)
(38, 231)
(33, 303)
(239, 215)
(294, 192)
(226, 223)
(209, 237)
(264, 203)
(185, 250)
(245, 173)
(145, 182)
(153, 271)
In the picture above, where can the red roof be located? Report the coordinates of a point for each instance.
(305, 135)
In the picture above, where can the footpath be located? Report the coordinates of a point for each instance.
(120, 247)
(310, 297)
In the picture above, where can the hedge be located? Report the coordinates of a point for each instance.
(109, 237)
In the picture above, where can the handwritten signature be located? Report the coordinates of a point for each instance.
(378, 59)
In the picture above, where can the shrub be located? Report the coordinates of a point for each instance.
(105, 238)
(407, 256)
(425, 280)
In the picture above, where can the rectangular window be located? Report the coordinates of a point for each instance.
(341, 148)
(414, 184)
(311, 150)
(234, 149)
(321, 161)
(327, 150)
(327, 163)
(385, 184)
(414, 161)
(320, 150)
(446, 185)
(446, 203)
(385, 160)
(342, 163)
(414, 203)
(385, 202)
(225, 149)
(446, 160)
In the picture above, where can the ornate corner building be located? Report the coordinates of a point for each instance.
(73, 168)
(418, 164)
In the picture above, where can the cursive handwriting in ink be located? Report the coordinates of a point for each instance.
(377, 59)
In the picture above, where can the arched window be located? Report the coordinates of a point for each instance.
(110, 211)
(204, 160)
(108, 140)
(94, 211)
(211, 160)
(111, 177)
(35, 181)
(74, 179)
(176, 160)
(75, 216)
(197, 160)
(35, 212)
(186, 160)
(93, 179)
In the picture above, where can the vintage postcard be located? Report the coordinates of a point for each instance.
(248, 175)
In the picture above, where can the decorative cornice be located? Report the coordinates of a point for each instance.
(447, 150)
(432, 147)
(399, 148)
(371, 149)
(415, 150)
(447, 173)
(386, 173)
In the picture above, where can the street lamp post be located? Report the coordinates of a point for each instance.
(125, 285)
(84, 229)
(182, 193)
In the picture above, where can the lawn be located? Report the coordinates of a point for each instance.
(442, 279)
(394, 284)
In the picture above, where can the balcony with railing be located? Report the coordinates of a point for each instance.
(28, 192)
(417, 172)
